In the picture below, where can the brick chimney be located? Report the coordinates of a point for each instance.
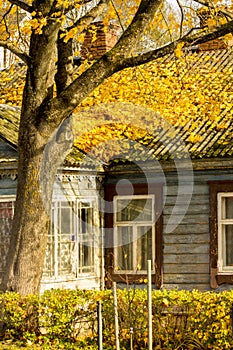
(98, 40)
(217, 44)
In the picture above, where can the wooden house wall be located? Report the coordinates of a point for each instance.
(186, 247)
(72, 183)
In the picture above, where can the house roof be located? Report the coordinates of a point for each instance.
(9, 124)
(184, 111)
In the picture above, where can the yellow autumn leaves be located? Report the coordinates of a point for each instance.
(186, 90)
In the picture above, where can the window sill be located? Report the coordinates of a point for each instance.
(224, 278)
(68, 278)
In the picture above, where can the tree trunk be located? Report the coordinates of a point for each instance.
(40, 153)
(30, 226)
(38, 163)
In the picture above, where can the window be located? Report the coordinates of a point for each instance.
(133, 232)
(221, 232)
(6, 217)
(225, 232)
(72, 238)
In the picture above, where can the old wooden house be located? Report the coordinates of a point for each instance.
(165, 194)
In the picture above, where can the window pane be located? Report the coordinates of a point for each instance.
(229, 245)
(86, 237)
(65, 239)
(86, 258)
(66, 263)
(124, 248)
(229, 208)
(85, 218)
(134, 209)
(144, 246)
(49, 262)
(66, 214)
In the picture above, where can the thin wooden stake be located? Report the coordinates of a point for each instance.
(116, 316)
(100, 326)
(149, 299)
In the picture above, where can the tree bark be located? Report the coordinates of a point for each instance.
(38, 163)
(39, 154)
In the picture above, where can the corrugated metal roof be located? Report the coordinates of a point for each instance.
(214, 140)
(9, 124)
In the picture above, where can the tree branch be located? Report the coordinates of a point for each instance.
(182, 17)
(111, 62)
(22, 55)
(211, 6)
(90, 16)
(24, 6)
(188, 40)
(119, 58)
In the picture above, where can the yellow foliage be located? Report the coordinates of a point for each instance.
(178, 50)
(185, 90)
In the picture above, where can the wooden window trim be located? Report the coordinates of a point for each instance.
(216, 278)
(138, 189)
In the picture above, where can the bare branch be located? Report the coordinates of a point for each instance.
(119, 19)
(5, 21)
(91, 15)
(182, 17)
(24, 6)
(22, 55)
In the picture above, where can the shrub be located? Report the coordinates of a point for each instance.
(68, 319)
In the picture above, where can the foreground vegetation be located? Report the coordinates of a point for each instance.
(65, 319)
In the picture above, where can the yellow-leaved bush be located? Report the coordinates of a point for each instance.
(68, 319)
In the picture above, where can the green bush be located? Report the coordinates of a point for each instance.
(68, 319)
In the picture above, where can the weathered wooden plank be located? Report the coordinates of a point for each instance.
(201, 176)
(7, 183)
(8, 191)
(188, 219)
(190, 269)
(187, 238)
(202, 248)
(185, 259)
(196, 199)
(185, 189)
(186, 278)
(191, 209)
(187, 229)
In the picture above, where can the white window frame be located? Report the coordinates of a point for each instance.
(222, 268)
(135, 224)
(79, 271)
(7, 198)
